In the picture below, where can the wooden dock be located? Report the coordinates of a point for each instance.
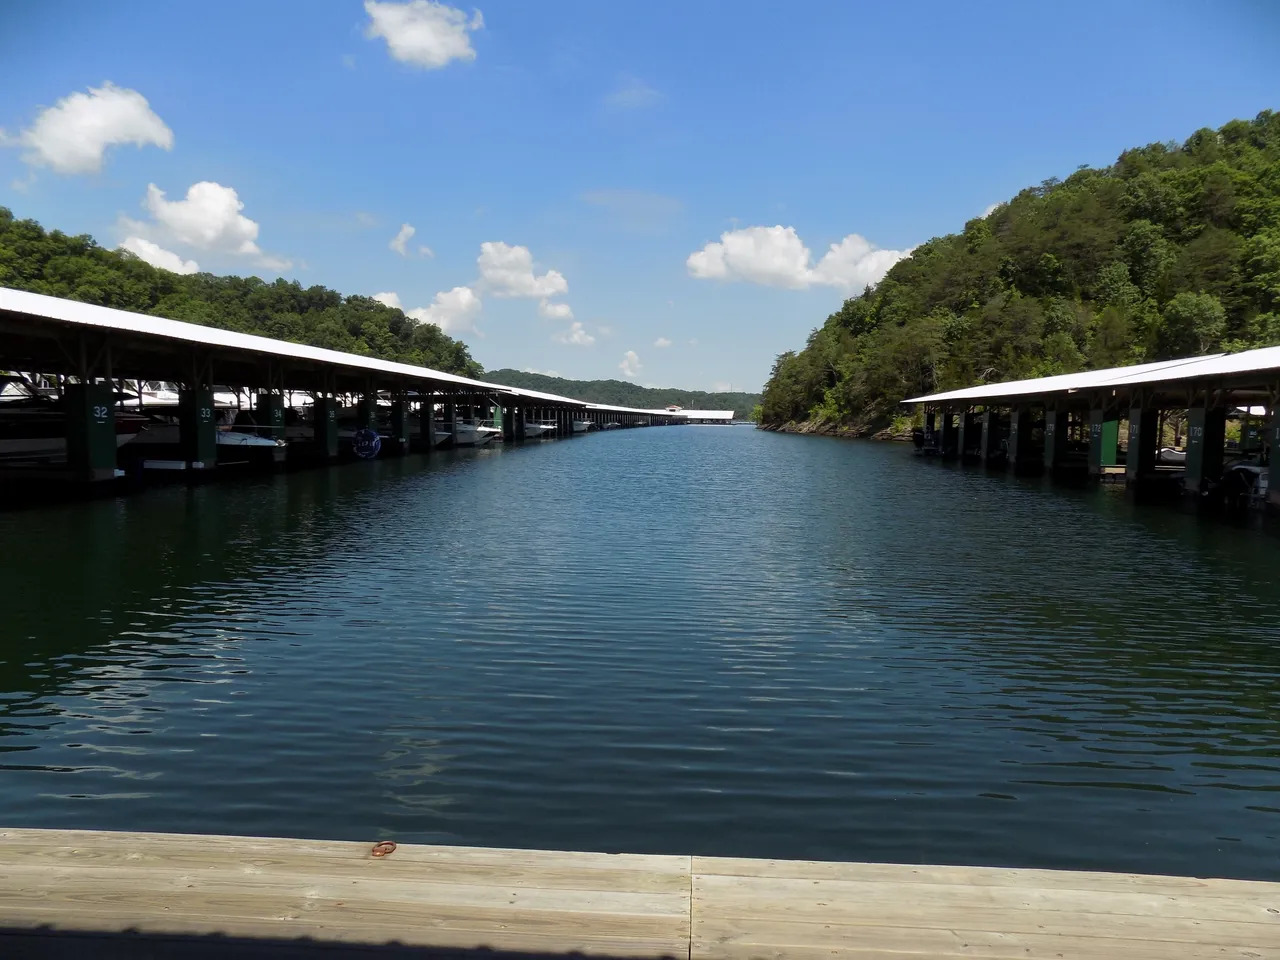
(77, 893)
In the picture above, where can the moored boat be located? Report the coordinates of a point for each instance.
(157, 447)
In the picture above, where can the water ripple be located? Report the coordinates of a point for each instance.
(696, 640)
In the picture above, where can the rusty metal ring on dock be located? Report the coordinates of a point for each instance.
(383, 847)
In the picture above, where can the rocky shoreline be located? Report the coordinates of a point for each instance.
(828, 429)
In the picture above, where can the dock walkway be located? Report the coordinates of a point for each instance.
(172, 891)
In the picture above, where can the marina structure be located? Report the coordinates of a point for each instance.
(293, 403)
(1174, 415)
(100, 894)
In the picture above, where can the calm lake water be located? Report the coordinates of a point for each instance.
(690, 640)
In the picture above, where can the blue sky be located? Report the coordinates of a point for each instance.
(606, 189)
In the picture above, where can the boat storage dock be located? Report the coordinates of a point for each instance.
(81, 893)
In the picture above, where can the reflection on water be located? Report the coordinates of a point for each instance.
(703, 640)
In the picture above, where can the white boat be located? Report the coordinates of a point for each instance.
(581, 426)
(1170, 455)
(537, 431)
(156, 446)
(467, 433)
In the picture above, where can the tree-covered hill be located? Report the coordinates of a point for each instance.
(623, 394)
(1173, 250)
(53, 263)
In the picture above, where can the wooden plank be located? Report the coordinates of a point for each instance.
(964, 945)
(428, 896)
(882, 897)
(620, 905)
(984, 876)
(834, 910)
(338, 859)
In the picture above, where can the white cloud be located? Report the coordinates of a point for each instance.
(453, 311)
(423, 33)
(630, 365)
(365, 219)
(73, 135)
(399, 241)
(427, 252)
(662, 343)
(721, 386)
(854, 263)
(632, 93)
(991, 209)
(390, 298)
(208, 218)
(776, 257)
(554, 311)
(604, 331)
(158, 256)
(507, 271)
(575, 336)
(545, 373)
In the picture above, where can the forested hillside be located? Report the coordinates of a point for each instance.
(76, 267)
(623, 394)
(1174, 250)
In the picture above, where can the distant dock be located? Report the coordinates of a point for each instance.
(81, 893)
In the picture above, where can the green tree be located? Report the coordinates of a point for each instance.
(1194, 323)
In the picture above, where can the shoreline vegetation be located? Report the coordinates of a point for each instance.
(623, 394)
(1172, 251)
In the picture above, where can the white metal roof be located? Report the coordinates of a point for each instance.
(75, 313)
(1263, 360)
(707, 414)
(612, 408)
(88, 315)
(1063, 383)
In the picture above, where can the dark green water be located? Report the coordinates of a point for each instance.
(706, 640)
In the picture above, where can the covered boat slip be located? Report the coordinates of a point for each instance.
(168, 895)
(90, 352)
(1072, 423)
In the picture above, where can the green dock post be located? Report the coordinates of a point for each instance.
(268, 411)
(1206, 440)
(197, 429)
(399, 440)
(520, 415)
(1273, 469)
(427, 422)
(1140, 459)
(1104, 435)
(969, 436)
(325, 418)
(367, 411)
(1023, 456)
(949, 447)
(91, 431)
(1057, 425)
(451, 423)
(990, 435)
(508, 424)
(1251, 436)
